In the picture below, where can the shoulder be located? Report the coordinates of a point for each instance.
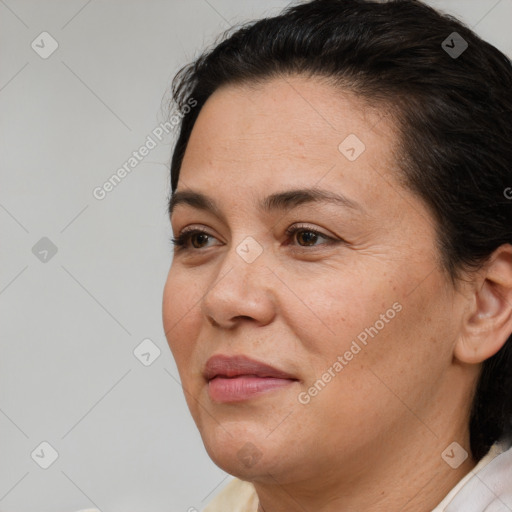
(236, 496)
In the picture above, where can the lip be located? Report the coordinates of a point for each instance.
(232, 366)
(237, 378)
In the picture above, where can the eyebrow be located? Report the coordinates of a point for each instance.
(278, 201)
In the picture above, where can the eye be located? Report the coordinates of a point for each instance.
(181, 241)
(306, 235)
(311, 237)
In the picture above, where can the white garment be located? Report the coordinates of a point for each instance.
(486, 488)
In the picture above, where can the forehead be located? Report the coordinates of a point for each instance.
(285, 131)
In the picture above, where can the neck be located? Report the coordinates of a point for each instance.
(417, 480)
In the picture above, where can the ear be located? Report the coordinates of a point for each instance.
(487, 323)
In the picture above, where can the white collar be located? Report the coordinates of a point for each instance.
(487, 487)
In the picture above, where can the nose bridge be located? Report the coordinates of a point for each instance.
(244, 261)
(242, 287)
(249, 250)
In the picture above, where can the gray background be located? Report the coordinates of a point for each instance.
(70, 323)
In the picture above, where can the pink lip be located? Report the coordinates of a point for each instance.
(237, 378)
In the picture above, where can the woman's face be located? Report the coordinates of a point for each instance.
(360, 315)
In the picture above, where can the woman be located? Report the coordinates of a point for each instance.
(339, 303)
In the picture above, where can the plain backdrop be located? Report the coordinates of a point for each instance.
(85, 368)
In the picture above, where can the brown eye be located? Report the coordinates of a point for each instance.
(202, 237)
(181, 242)
(306, 236)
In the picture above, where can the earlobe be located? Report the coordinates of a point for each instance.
(487, 323)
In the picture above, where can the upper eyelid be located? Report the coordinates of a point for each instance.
(296, 226)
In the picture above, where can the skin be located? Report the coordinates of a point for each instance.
(372, 438)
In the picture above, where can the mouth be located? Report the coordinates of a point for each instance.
(239, 378)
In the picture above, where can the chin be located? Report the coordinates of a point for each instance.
(247, 452)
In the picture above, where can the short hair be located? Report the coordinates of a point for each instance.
(451, 103)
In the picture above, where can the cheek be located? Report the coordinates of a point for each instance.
(377, 321)
(180, 309)
(386, 361)
(329, 307)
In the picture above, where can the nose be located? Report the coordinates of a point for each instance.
(241, 288)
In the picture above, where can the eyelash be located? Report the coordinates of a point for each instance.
(180, 242)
